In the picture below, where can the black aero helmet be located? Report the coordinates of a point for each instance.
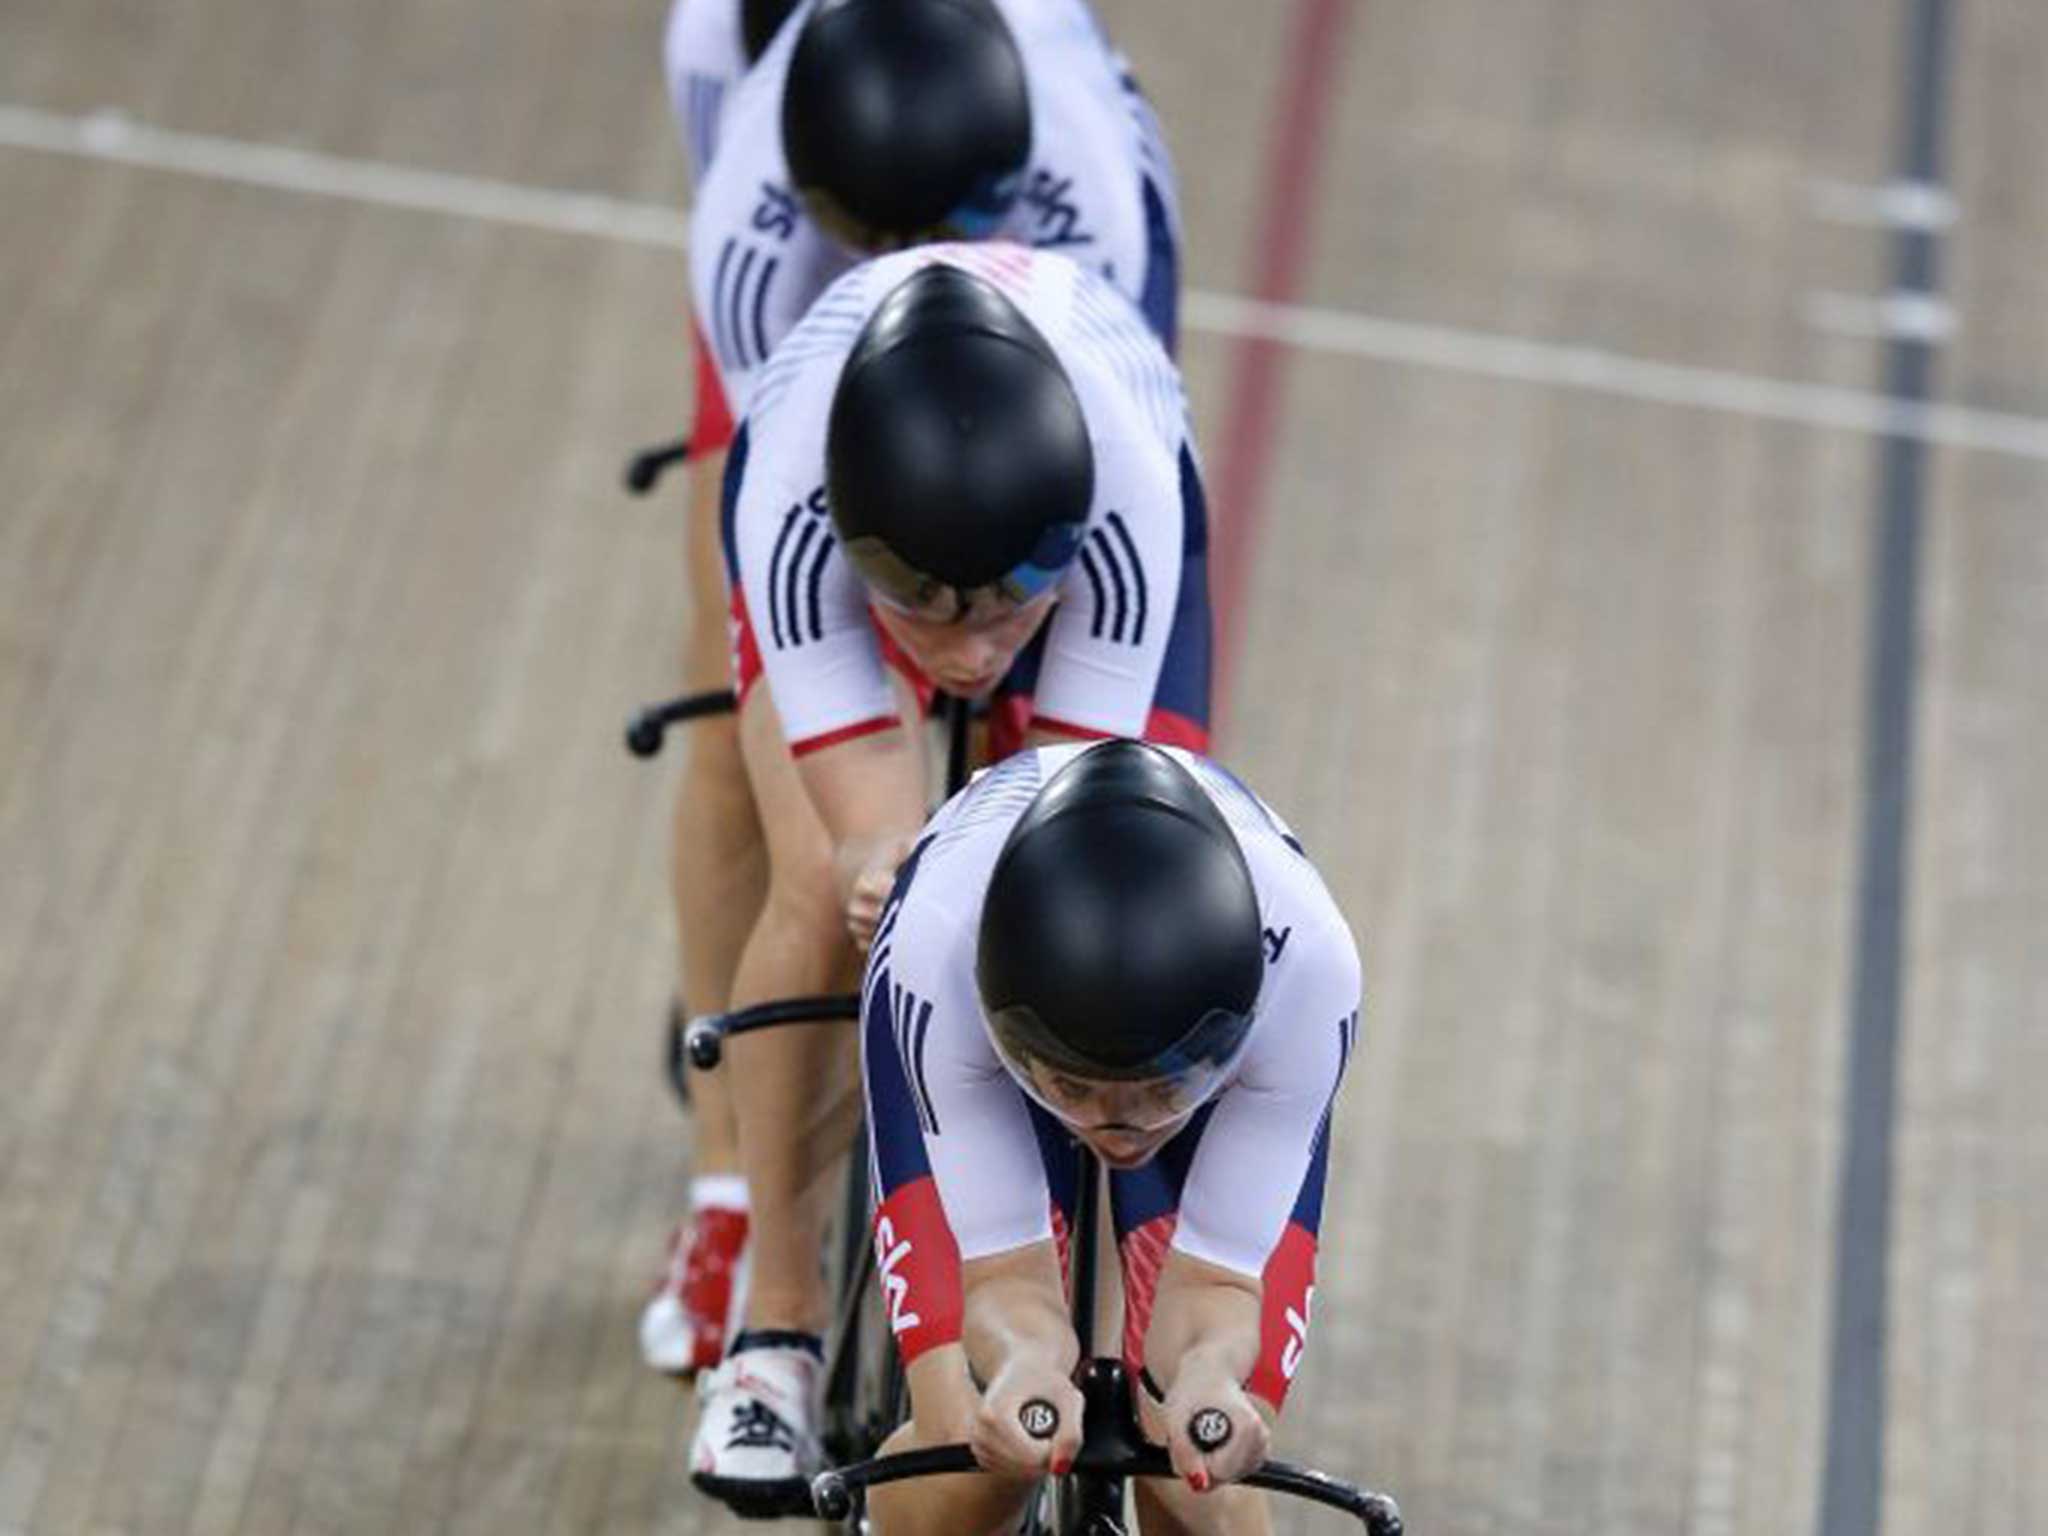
(760, 20)
(905, 120)
(956, 455)
(1120, 937)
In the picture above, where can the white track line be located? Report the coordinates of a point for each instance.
(112, 137)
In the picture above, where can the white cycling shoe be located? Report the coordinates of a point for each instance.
(757, 1448)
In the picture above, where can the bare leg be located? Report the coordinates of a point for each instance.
(1174, 1509)
(783, 1078)
(718, 874)
(1169, 1507)
(720, 868)
(968, 1505)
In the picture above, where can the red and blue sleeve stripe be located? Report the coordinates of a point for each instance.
(916, 1255)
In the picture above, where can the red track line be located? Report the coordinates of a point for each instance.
(1281, 239)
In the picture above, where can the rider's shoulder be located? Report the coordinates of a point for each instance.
(792, 395)
(1250, 817)
(1054, 32)
(1292, 892)
(703, 37)
(741, 185)
(969, 829)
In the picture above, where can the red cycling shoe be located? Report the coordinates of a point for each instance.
(683, 1326)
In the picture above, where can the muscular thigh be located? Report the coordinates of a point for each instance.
(1168, 1507)
(963, 1505)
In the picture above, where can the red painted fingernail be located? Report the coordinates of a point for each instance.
(1061, 1467)
(1199, 1479)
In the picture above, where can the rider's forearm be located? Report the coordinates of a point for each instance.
(869, 793)
(943, 1396)
(1203, 1317)
(707, 651)
(1017, 1310)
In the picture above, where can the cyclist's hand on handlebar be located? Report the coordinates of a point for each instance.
(871, 886)
(1010, 1432)
(1214, 1432)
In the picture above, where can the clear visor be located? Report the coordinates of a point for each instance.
(901, 585)
(1144, 1109)
(1135, 1107)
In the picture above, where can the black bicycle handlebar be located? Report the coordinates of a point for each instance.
(646, 729)
(648, 465)
(706, 1036)
(1208, 1428)
(832, 1492)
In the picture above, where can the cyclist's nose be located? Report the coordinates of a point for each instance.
(974, 654)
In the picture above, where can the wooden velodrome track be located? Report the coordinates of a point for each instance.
(333, 1160)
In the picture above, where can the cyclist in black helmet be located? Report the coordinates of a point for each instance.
(969, 467)
(870, 125)
(905, 120)
(1121, 944)
(815, 131)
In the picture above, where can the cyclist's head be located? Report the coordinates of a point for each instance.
(957, 462)
(906, 120)
(1120, 953)
(760, 20)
